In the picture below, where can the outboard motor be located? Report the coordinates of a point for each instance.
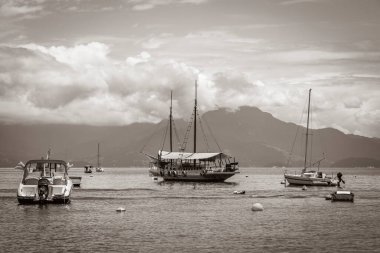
(340, 179)
(43, 189)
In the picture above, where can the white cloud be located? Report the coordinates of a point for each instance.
(352, 103)
(82, 84)
(81, 55)
(143, 5)
(291, 2)
(142, 57)
(9, 8)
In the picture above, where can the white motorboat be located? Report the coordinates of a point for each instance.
(44, 181)
(311, 177)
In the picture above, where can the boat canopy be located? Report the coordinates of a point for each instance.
(192, 156)
(47, 161)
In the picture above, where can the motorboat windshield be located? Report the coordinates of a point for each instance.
(45, 168)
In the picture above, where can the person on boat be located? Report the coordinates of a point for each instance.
(339, 175)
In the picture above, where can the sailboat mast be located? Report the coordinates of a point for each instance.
(171, 121)
(195, 118)
(307, 132)
(98, 154)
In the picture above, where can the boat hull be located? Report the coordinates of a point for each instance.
(32, 201)
(342, 196)
(57, 194)
(208, 177)
(309, 181)
(76, 181)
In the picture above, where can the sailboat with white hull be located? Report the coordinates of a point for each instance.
(310, 177)
(191, 166)
(98, 167)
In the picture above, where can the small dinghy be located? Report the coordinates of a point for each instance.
(342, 196)
(120, 209)
(239, 192)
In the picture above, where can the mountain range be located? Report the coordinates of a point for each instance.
(253, 137)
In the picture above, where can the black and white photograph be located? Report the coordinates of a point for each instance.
(189, 126)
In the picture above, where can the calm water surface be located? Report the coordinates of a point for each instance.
(194, 217)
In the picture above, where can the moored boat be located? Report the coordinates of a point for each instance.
(44, 181)
(191, 166)
(342, 196)
(195, 167)
(310, 177)
(98, 167)
(76, 181)
(88, 169)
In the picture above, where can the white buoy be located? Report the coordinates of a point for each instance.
(257, 207)
(304, 188)
(283, 182)
(120, 209)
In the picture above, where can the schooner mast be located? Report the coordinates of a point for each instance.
(195, 118)
(171, 121)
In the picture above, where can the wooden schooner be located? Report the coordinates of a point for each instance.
(191, 166)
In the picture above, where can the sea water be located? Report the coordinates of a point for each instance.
(194, 217)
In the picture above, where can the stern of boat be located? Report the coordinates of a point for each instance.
(45, 192)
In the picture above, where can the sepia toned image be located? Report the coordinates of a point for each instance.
(190, 125)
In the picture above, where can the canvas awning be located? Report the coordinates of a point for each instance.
(191, 156)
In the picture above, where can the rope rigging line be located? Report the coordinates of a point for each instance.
(311, 136)
(184, 143)
(150, 138)
(164, 139)
(177, 136)
(203, 132)
(295, 137)
(212, 135)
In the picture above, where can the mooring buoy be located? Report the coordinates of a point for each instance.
(257, 207)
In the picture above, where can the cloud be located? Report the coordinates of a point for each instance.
(292, 2)
(143, 5)
(82, 84)
(352, 103)
(9, 8)
(318, 56)
(75, 83)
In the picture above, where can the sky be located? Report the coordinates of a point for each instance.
(114, 62)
